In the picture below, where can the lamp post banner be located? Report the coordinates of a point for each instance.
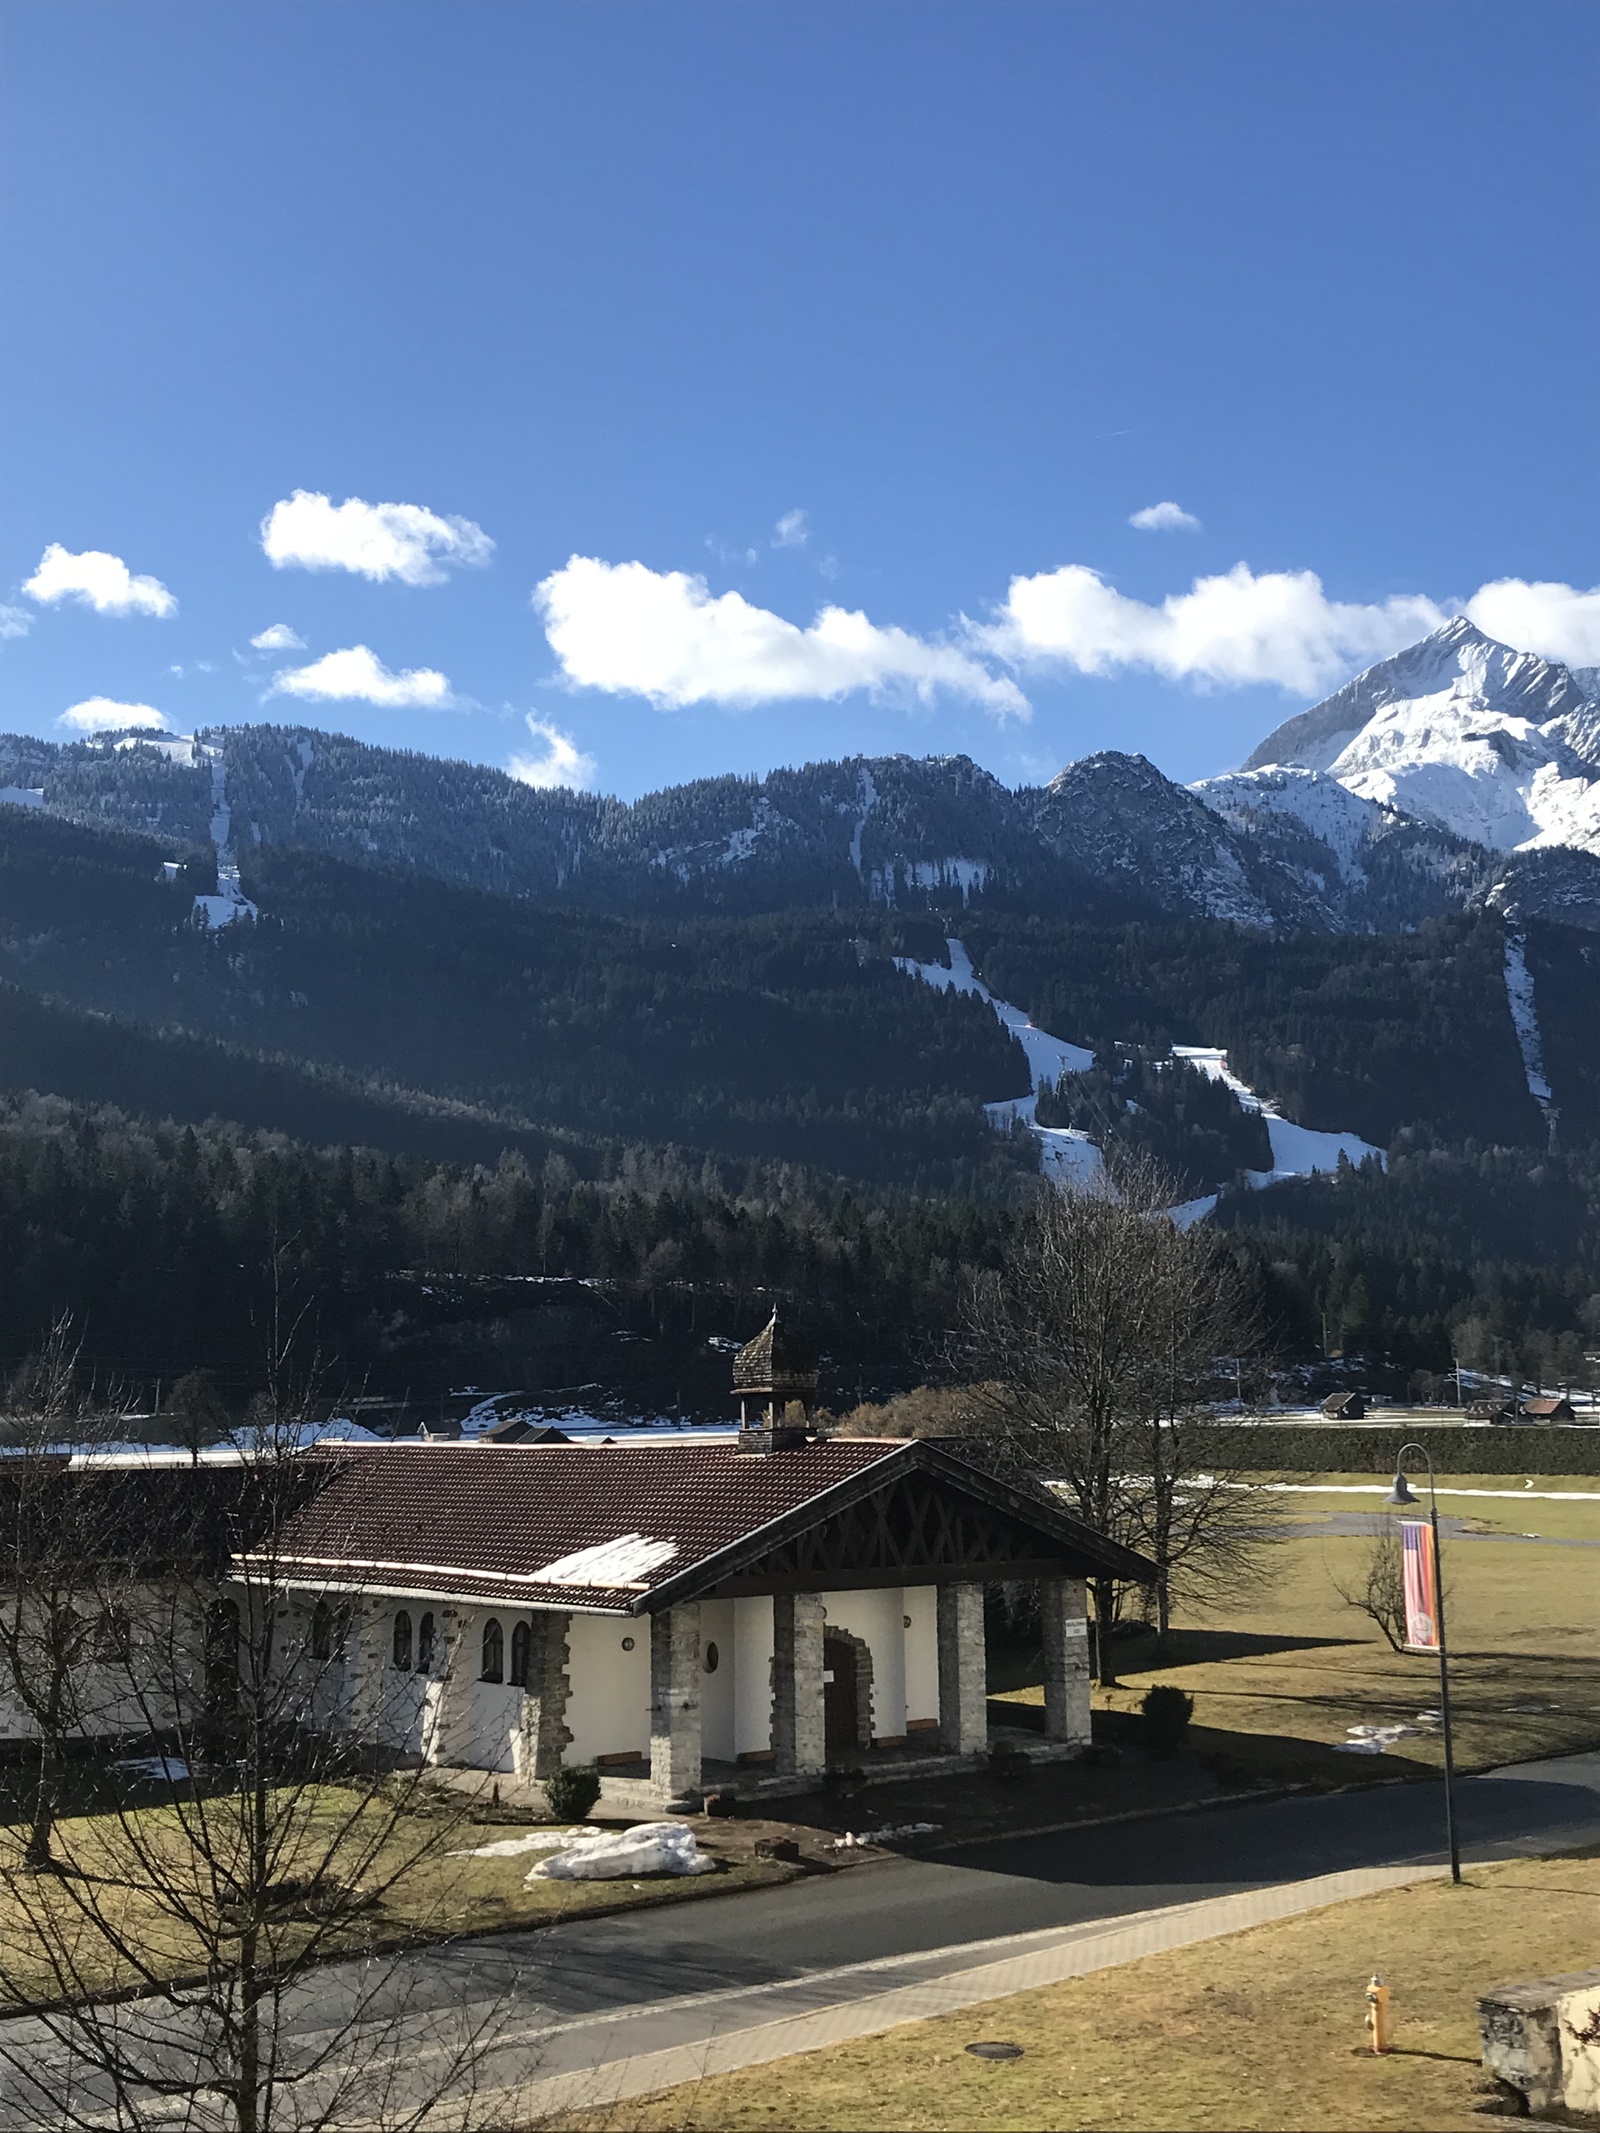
(1421, 1585)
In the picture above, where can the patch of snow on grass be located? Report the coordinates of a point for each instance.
(1525, 1019)
(21, 796)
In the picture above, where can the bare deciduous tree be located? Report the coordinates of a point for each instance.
(214, 1959)
(65, 1553)
(210, 1960)
(1094, 1351)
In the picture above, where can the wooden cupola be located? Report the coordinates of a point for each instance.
(775, 1383)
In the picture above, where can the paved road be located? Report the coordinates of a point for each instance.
(586, 1994)
(1017, 1885)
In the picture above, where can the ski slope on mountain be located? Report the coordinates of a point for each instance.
(1070, 1157)
(1297, 1151)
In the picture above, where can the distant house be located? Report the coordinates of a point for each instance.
(1498, 1410)
(1345, 1407)
(1544, 1410)
(524, 1429)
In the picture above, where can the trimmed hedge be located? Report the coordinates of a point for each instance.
(1276, 1447)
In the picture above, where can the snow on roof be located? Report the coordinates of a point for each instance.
(627, 1560)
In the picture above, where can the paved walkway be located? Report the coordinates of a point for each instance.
(605, 2059)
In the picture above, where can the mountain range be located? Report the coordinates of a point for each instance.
(1457, 773)
(741, 1032)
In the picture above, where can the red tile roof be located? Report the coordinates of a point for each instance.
(481, 1521)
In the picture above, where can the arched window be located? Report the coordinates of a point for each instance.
(521, 1647)
(494, 1651)
(322, 1631)
(425, 1645)
(402, 1641)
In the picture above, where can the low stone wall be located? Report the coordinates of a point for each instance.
(1541, 2041)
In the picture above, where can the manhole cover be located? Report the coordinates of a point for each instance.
(995, 2051)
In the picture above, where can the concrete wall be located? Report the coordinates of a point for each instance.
(608, 1710)
(752, 1679)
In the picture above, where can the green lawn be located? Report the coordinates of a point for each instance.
(1293, 1669)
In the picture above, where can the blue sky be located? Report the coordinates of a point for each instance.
(963, 286)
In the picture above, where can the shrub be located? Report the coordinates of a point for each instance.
(1166, 1713)
(572, 1792)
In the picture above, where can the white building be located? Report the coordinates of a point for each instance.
(742, 1613)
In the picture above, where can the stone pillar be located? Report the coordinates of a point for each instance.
(675, 1702)
(799, 1731)
(1064, 1614)
(963, 1671)
(545, 1733)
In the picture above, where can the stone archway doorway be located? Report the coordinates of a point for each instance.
(846, 1691)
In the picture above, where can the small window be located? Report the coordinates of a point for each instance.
(402, 1641)
(425, 1645)
(322, 1631)
(712, 1659)
(521, 1648)
(494, 1651)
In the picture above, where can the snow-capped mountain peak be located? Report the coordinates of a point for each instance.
(1457, 660)
(1495, 745)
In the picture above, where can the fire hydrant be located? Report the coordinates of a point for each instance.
(1378, 2013)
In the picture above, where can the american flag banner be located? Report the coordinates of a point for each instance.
(1421, 1585)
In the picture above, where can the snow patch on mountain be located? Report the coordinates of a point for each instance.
(1048, 1057)
(1344, 821)
(967, 875)
(1069, 1157)
(230, 902)
(1297, 1151)
(21, 796)
(1525, 1018)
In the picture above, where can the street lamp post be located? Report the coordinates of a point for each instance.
(1400, 1498)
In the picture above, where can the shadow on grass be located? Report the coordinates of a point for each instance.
(1021, 1666)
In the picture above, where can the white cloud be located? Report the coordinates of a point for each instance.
(102, 714)
(358, 675)
(1279, 628)
(793, 530)
(15, 622)
(375, 541)
(1557, 621)
(1165, 518)
(665, 636)
(560, 760)
(103, 582)
(278, 638)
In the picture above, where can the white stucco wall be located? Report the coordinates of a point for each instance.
(877, 1617)
(718, 1690)
(608, 1709)
(752, 1678)
(921, 1603)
